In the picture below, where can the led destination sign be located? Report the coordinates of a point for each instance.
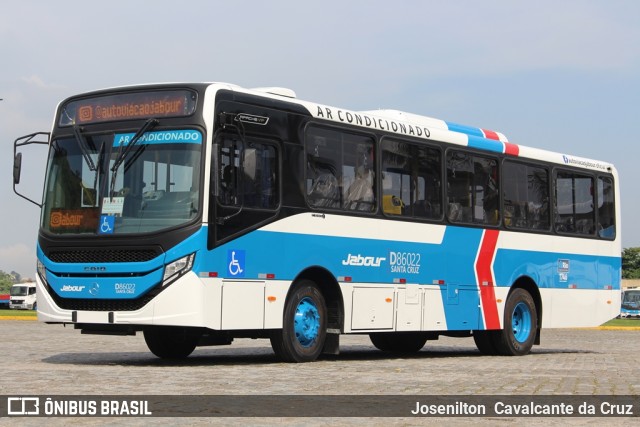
(128, 106)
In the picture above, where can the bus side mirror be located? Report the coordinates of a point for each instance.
(19, 143)
(17, 167)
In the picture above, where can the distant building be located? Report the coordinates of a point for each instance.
(630, 283)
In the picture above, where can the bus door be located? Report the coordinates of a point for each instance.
(246, 183)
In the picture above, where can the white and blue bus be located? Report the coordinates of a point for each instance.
(201, 213)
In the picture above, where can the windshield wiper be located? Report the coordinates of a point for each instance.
(122, 153)
(77, 131)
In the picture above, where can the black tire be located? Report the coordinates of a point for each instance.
(485, 341)
(304, 330)
(172, 342)
(520, 325)
(398, 342)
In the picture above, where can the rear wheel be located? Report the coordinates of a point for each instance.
(399, 342)
(304, 325)
(171, 342)
(520, 325)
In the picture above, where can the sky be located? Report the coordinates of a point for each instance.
(556, 75)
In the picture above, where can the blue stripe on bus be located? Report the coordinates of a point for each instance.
(467, 130)
(486, 144)
(285, 255)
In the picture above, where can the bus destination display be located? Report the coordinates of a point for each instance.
(128, 106)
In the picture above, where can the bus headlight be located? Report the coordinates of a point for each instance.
(177, 268)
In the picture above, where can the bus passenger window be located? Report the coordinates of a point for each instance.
(360, 192)
(574, 208)
(472, 189)
(411, 183)
(606, 208)
(340, 171)
(526, 196)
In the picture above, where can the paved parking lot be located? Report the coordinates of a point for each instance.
(43, 359)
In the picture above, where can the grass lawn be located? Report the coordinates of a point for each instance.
(16, 313)
(623, 322)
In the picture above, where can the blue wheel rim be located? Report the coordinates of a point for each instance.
(521, 322)
(306, 322)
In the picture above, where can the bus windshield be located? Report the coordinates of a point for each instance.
(101, 184)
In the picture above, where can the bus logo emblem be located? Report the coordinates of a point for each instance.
(362, 261)
(250, 118)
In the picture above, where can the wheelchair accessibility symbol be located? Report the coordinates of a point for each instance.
(236, 263)
(107, 223)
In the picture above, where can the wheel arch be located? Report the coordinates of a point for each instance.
(529, 285)
(330, 290)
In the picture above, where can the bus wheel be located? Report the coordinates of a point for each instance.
(520, 325)
(170, 342)
(304, 325)
(485, 341)
(399, 342)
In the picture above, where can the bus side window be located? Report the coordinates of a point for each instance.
(339, 170)
(574, 207)
(229, 184)
(526, 196)
(324, 191)
(459, 171)
(411, 183)
(360, 192)
(472, 188)
(606, 208)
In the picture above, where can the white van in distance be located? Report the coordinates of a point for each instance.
(23, 296)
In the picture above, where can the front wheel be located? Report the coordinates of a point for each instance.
(303, 332)
(520, 325)
(172, 342)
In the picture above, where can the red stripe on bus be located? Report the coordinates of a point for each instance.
(511, 149)
(489, 134)
(485, 279)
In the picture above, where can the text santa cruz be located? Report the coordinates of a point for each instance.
(371, 121)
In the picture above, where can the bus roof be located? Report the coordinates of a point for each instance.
(398, 122)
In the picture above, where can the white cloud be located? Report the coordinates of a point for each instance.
(39, 83)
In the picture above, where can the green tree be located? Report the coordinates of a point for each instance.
(631, 263)
(6, 281)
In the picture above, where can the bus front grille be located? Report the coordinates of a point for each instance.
(95, 256)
